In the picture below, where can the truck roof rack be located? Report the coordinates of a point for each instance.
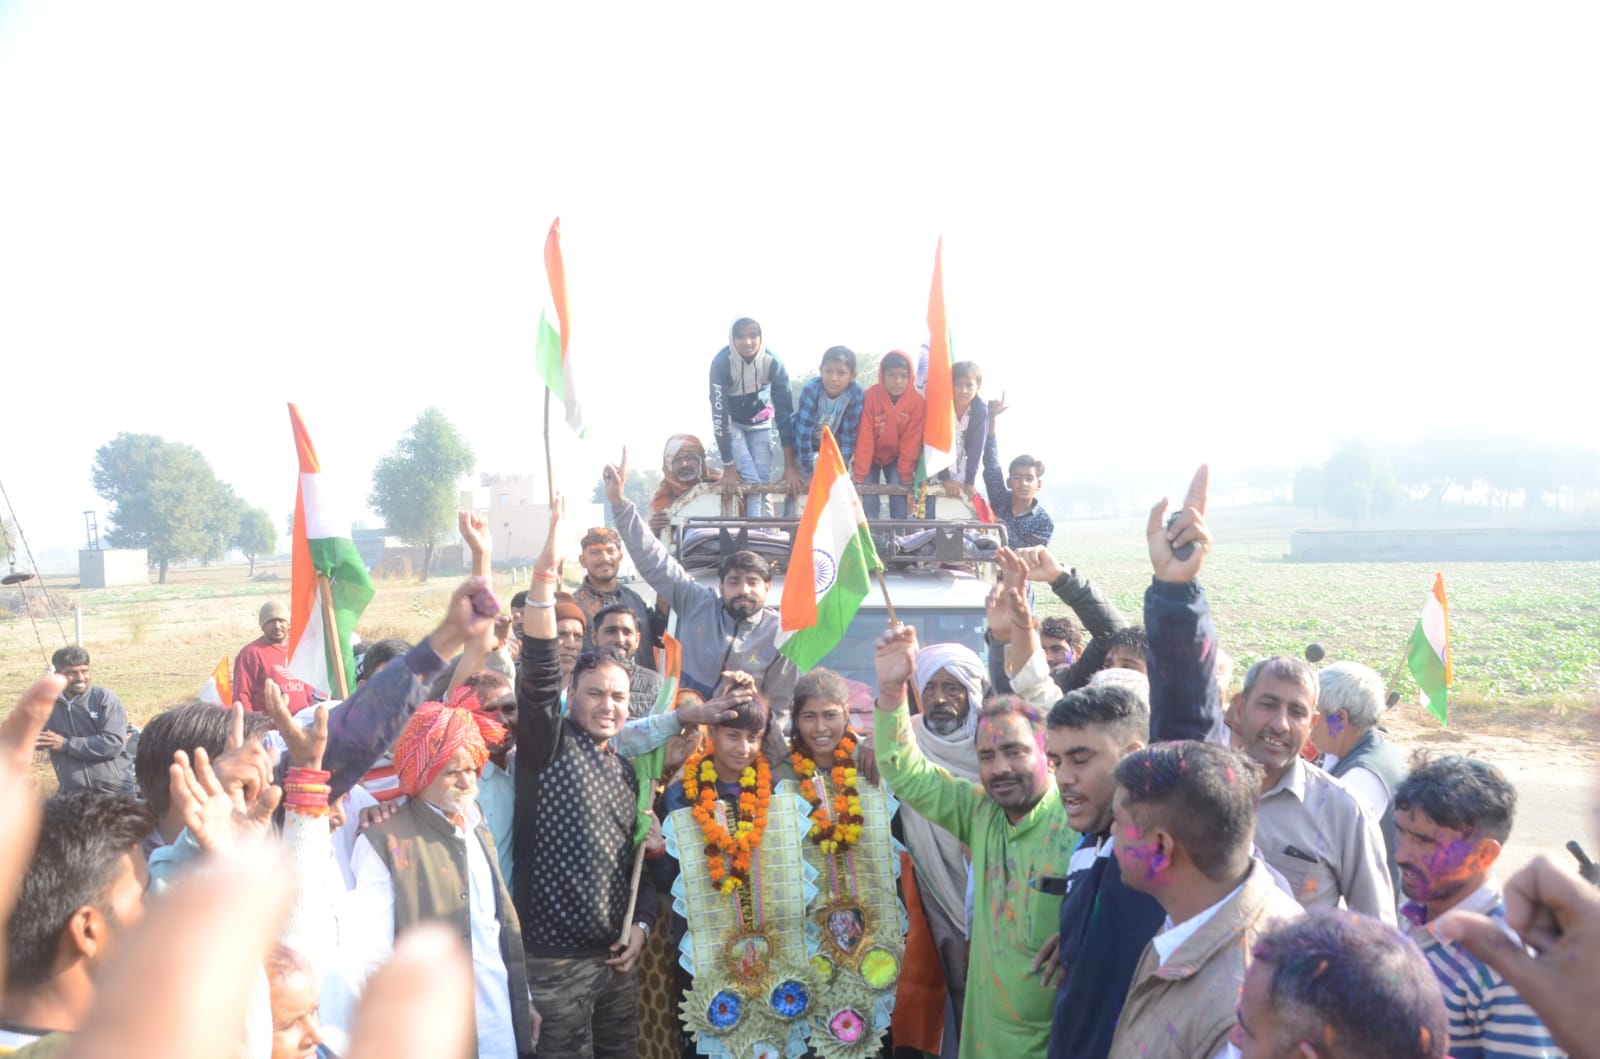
(701, 543)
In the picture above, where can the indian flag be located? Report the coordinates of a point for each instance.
(831, 565)
(939, 428)
(218, 690)
(555, 332)
(647, 766)
(328, 578)
(1428, 655)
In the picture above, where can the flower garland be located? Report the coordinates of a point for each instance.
(838, 832)
(729, 855)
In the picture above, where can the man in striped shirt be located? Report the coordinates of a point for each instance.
(1451, 816)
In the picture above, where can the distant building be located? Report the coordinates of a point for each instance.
(518, 514)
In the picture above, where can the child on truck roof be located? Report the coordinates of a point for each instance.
(834, 400)
(891, 441)
(749, 398)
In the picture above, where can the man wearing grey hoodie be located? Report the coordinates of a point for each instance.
(728, 627)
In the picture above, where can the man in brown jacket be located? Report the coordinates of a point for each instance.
(1184, 816)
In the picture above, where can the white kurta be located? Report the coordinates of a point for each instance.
(367, 935)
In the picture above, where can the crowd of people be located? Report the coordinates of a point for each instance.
(526, 835)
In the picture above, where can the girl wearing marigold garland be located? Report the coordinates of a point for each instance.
(855, 917)
(742, 890)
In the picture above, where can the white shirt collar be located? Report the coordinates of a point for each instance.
(1166, 943)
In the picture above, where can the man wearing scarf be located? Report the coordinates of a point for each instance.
(435, 860)
(950, 685)
(683, 466)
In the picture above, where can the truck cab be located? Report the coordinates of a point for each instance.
(938, 570)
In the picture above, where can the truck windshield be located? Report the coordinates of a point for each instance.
(852, 659)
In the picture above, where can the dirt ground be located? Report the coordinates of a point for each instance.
(1554, 764)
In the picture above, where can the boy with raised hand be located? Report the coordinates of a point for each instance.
(1017, 507)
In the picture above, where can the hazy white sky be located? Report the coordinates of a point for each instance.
(1232, 232)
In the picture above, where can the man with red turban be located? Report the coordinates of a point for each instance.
(435, 860)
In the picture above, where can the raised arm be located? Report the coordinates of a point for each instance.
(1098, 615)
(944, 799)
(650, 557)
(539, 681)
(363, 727)
(1182, 657)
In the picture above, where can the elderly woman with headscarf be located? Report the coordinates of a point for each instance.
(435, 860)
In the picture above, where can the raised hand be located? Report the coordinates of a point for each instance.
(173, 992)
(244, 769)
(1013, 567)
(305, 744)
(894, 658)
(470, 612)
(997, 405)
(1188, 528)
(216, 814)
(998, 616)
(19, 799)
(1556, 914)
(550, 553)
(474, 529)
(615, 476)
(1042, 566)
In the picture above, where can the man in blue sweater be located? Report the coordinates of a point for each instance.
(1104, 924)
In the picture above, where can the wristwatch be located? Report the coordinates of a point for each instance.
(644, 927)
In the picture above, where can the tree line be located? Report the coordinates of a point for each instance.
(164, 496)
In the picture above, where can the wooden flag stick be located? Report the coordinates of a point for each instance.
(633, 884)
(549, 461)
(330, 630)
(887, 602)
(1394, 695)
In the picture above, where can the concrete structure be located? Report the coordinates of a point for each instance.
(1445, 545)
(518, 514)
(110, 567)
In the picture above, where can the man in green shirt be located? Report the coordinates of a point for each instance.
(1020, 845)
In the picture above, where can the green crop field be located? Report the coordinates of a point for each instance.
(1526, 636)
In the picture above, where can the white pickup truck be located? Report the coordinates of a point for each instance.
(938, 570)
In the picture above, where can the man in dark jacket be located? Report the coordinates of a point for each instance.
(1105, 925)
(87, 734)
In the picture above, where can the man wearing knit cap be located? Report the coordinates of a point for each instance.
(572, 628)
(268, 659)
(435, 860)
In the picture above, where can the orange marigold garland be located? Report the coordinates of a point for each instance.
(838, 831)
(729, 855)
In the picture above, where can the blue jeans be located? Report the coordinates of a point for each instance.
(752, 455)
(889, 475)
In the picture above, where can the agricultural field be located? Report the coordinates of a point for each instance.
(1526, 639)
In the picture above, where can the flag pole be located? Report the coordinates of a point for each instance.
(330, 629)
(1394, 696)
(549, 462)
(887, 602)
(633, 883)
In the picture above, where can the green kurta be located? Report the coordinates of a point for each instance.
(1007, 1012)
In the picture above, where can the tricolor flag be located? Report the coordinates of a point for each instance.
(939, 428)
(325, 559)
(830, 568)
(1428, 655)
(647, 767)
(218, 690)
(555, 332)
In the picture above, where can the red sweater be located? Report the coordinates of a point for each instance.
(890, 430)
(260, 661)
